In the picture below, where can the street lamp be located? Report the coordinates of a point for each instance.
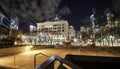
(31, 30)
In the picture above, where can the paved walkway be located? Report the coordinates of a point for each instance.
(25, 60)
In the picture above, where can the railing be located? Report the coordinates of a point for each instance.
(49, 64)
(14, 58)
(36, 56)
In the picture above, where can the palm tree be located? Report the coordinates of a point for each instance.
(101, 33)
(16, 35)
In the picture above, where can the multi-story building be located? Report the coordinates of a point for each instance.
(110, 22)
(14, 23)
(71, 32)
(51, 33)
(82, 28)
(117, 22)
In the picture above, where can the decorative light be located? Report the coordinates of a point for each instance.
(75, 40)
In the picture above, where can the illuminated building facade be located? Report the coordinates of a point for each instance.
(110, 21)
(14, 23)
(4, 28)
(71, 32)
(117, 22)
(52, 33)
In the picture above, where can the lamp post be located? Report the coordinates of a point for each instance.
(31, 32)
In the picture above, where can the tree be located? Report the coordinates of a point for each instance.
(16, 33)
(85, 35)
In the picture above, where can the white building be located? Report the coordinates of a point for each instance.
(52, 33)
(71, 32)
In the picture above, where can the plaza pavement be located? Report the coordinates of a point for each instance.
(25, 60)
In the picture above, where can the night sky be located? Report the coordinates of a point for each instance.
(77, 12)
(82, 9)
(80, 12)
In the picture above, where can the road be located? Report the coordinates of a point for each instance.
(25, 60)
